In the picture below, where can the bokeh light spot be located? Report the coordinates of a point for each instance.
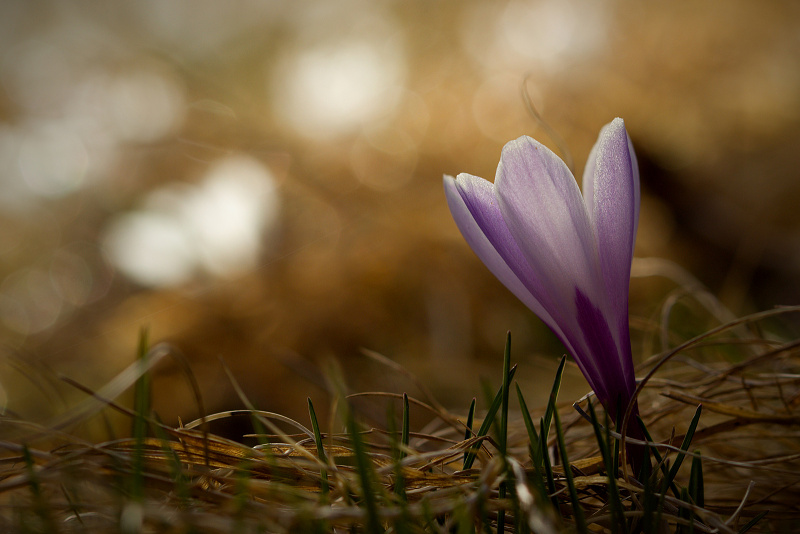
(236, 203)
(546, 36)
(215, 227)
(151, 248)
(333, 89)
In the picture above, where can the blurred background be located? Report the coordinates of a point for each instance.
(261, 182)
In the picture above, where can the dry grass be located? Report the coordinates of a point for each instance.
(187, 480)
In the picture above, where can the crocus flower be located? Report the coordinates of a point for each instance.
(565, 255)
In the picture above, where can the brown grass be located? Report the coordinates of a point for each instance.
(187, 480)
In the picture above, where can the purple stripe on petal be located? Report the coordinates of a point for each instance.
(609, 378)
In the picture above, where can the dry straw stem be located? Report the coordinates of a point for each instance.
(195, 481)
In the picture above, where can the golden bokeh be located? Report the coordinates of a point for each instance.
(261, 181)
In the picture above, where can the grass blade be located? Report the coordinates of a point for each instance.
(406, 432)
(696, 491)
(603, 439)
(544, 430)
(366, 474)
(661, 500)
(320, 447)
(616, 455)
(753, 522)
(548, 469)
(535, 450)
(533, 436)
(503, 438)
(142, 390)
(141, 403)
(40, 506)
(660, 461)
(470, 421)
(488, 420)
(577, 511)
(649, 498)
(504, 404)
(551, 404)
(687, 441)
(685, 513)
(399, 449)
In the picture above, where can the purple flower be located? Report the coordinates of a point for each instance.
(567, 256)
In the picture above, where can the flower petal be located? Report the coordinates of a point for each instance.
(609, 379)
(565, 255)
(542, 205)
(612, 196)
(475, 210)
